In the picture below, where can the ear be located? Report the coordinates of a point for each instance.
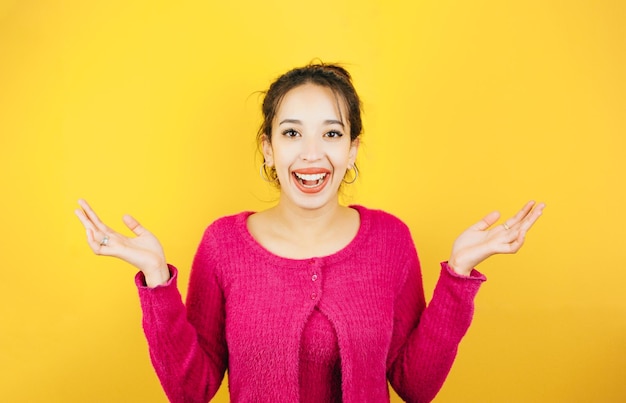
(354, 148)
(268, 153)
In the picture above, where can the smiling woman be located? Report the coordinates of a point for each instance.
(308, 300)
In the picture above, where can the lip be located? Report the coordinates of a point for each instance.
(310, 171)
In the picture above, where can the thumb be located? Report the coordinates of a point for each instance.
(134, 225)
(487, 221)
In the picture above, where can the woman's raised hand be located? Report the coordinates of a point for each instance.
(481, 240)
(143, 251)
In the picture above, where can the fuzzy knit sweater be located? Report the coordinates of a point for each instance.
(253, 313)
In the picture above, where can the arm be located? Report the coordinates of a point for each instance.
(186, 345)
(425, 341)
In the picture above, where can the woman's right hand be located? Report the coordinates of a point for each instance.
(143, 251)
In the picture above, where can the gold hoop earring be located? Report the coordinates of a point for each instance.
(356, 175)
(266, 177)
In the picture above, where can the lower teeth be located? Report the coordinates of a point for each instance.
(316, 183)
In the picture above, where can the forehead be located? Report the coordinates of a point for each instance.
(312, 100)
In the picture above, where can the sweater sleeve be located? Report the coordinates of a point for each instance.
(425, 339)
(187, 344)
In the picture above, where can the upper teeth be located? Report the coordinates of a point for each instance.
(310, 177)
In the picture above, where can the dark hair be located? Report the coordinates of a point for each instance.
(331, 76)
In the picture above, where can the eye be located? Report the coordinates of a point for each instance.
(290, 133)
(333, 134)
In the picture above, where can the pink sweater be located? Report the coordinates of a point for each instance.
(247, 310)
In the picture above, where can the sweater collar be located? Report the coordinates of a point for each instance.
(256, 248)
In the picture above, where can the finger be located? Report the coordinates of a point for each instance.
(134, 225)
(95, 236)
(517, 218)
(89, 230)
(512, 247)
(487, 221)
(515, 238)
(92, 216)
(84, 220)
(530, 220)
(509, 234)
(96, 244)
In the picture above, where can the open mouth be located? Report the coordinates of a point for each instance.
(311, 182)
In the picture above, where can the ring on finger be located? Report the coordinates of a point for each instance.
(506, 227)
(105, 241)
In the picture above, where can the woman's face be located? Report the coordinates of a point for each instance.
(310, 147)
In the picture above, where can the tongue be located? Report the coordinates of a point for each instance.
(309, 183)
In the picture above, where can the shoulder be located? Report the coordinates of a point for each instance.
(222, 238)
(382, 221)
(226, 228)
(382, 229)
(389, 239)
(229, 221)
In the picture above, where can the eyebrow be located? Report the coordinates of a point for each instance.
(299, 122)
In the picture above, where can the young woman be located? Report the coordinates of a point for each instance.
(309, 300)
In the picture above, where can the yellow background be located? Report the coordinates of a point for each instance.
(149, 108)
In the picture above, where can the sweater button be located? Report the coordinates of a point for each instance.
(313, 296)
(314, 277)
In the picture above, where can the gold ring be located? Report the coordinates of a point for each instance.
(506, 226)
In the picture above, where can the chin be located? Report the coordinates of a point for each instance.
(313, 201)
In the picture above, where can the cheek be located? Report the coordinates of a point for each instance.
(340, 157)
(282, 159)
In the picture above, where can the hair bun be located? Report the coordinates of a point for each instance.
(333, 69)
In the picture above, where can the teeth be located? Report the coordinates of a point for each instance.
(310, 177)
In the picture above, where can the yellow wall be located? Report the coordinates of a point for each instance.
(148, 108)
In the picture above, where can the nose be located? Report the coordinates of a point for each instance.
(311, 149)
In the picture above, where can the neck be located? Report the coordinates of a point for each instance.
(310, 224)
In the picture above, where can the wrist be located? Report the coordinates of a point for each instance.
(157, 277)
(458, 267)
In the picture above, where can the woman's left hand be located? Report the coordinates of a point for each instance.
(480, 241)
